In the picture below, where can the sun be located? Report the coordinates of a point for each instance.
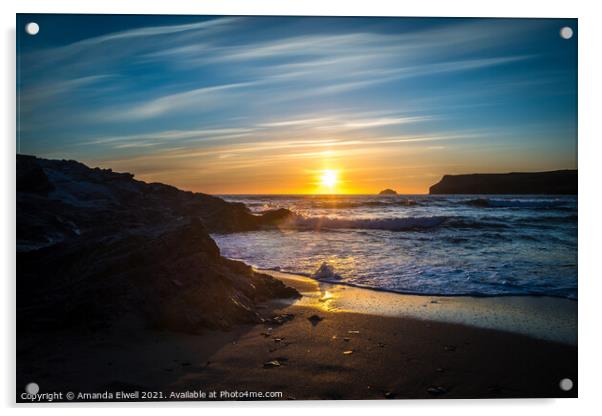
(329, 178)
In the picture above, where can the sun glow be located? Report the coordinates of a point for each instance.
(329, 179)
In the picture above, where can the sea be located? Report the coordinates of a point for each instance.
(477, 245)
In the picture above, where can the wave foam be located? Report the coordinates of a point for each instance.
(390, 224)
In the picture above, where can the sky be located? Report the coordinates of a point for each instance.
(260, 105)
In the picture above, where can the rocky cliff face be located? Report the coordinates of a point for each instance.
(93, 245)
(560, 182)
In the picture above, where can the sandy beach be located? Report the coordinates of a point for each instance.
(331, 344)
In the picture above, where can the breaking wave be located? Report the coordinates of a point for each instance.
(390, 224)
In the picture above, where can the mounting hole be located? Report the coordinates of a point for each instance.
(32, 388)
(566, 384)
(32, 28)
(566, 32)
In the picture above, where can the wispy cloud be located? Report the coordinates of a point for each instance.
(304, 66)
(239, 93)
(204, 96)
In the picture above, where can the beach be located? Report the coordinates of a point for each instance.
(284, 207)
(327, 345)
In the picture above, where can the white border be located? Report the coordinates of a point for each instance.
(590, 278)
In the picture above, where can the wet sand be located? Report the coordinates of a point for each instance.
(549, 318)
(347, 352)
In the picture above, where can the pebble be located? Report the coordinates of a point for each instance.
(436, 391)
(271, 364)
(280, 319)
(315, 319)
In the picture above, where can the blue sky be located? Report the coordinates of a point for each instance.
(227, 104)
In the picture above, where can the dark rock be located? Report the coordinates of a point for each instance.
(389, 395)
(280, 319)
(276, 216)
(31, 177)
(315, 319)
(94, 245)
(387, 192)
(559, 182)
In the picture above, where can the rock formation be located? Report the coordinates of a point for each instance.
(94, 245)
(559, 182)
(387, 192)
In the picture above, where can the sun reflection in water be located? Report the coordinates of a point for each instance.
(326, 301)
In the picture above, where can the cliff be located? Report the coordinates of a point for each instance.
(94, 245)
(559, 182)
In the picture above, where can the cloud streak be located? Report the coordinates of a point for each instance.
(239, 93)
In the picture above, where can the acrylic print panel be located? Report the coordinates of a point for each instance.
(272, 208)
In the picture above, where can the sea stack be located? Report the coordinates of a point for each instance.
(387, 192)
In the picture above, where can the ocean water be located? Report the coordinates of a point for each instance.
(422, 244)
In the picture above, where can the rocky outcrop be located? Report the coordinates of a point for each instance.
(559, 182)
(387, 192)
(59, 200)
(94, 245)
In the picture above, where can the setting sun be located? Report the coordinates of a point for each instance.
(329, 178)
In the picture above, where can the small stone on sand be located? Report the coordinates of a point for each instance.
(315, 319)
(280, 319)
(271, 364)
(348, 352)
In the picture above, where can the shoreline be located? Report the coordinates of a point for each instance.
(408, 293)
(543, 317)
(322, 346)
